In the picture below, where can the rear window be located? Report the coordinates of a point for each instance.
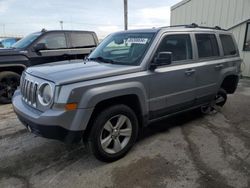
(207, 45)
(228, 45)
(79, 40)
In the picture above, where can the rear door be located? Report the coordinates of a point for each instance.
(172, 87)
(209, 66)
(81, 44)
(56, 49)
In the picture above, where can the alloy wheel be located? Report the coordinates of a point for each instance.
(116, 134)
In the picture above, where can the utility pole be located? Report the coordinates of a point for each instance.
(126, 14)
(61, 24)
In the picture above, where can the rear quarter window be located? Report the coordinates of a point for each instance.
(207, 45)
(80, 40)
(228, 45)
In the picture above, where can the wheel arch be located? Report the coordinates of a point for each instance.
(13, 68)
(130, 100)
(229, 83)
(131, 94)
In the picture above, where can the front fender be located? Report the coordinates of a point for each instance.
(15, 60)
(93, 96)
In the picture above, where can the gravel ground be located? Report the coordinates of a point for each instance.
(188, 150)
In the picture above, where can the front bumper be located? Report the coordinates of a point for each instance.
(67, 126)
(52, 132)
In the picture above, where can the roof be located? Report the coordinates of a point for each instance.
(178, 28)
(68, 31)
(152, 30)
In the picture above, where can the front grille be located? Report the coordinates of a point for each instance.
(29, 91)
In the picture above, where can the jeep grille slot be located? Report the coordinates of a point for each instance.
(29, 91)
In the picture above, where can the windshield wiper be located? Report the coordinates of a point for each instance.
(99, 58)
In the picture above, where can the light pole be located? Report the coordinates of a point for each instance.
(3, 29)
(125, 14)
(61, 24)
(4, 33)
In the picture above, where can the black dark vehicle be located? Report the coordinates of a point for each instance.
(39, 48)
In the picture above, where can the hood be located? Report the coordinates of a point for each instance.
(67, 72)
(10, 51)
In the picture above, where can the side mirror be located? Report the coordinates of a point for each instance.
(162, 58)
(39, 46)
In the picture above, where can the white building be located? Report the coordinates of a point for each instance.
(233, 15)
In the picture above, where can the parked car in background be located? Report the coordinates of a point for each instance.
(131, 79)
(8, 42)
(39, 48)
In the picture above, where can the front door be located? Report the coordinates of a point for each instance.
(172, 87)
(56, 49)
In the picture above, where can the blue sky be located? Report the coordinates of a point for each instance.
(20, 17)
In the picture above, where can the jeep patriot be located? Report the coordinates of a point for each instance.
(130, 80)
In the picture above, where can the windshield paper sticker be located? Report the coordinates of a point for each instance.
(137, 40)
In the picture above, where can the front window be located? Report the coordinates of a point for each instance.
(26, 41)
(180, 46)
(54, 41)
(123, 48)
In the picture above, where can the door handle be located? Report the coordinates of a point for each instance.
(189, 72)
(219, 66)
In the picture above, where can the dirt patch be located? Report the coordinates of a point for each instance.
(145, 172)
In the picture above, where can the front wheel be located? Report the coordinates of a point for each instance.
(9, 81)
(114, 132)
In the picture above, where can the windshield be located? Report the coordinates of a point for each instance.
(122, 48)
(23, 43)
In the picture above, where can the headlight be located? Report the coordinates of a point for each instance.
(45, 94)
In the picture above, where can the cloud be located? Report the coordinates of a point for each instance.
(27, 16)
(151, 17)
(105, 30)
(4, 5)
(159, 13)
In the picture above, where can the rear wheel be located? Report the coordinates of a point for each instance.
(9, 81)
(221, 98)
(219, 101)
(114, 132)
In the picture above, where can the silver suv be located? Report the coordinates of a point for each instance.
(130, 80)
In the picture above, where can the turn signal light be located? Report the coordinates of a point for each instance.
(71, 106)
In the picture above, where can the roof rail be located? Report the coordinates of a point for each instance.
(194, 25)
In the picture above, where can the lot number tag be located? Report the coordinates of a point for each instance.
(137, 40)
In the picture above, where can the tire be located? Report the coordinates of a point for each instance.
(107, 133)
(9, 81)
(223, 95)
(219, 100)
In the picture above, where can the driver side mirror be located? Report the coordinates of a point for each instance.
(40, 46)
(162, 58)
